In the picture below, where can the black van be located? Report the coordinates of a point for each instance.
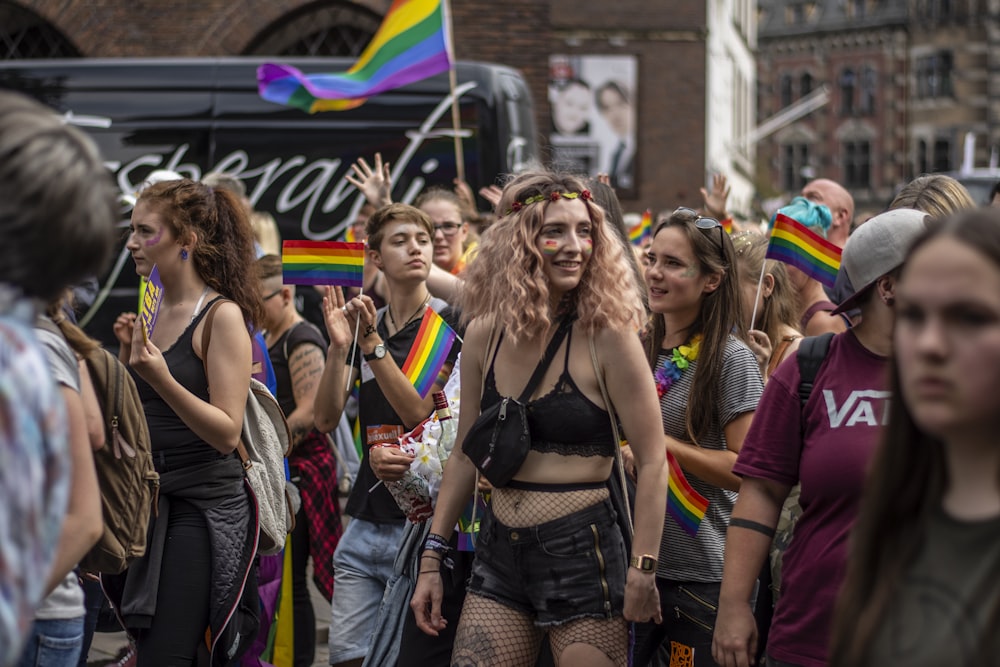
(193, 116)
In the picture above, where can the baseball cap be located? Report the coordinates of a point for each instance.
(877, 247)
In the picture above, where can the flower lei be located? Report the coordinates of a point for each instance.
(675, 366)
(552, 196)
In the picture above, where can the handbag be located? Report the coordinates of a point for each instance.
(264, 443)
(499, 439)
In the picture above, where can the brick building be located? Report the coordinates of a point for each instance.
(694, 59)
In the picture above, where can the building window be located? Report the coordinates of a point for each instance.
(319, 29)
(848, 83)
(857, 164)
(24, 34)
(942, 155)
(786, 90)
(922, 157)
(805, 84)
(934, 75)
(869, 80)
(794, 161)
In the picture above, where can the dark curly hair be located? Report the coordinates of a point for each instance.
(224, 254)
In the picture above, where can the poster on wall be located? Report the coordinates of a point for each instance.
(593, 128)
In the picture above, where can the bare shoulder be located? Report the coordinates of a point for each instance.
(615, 342)
(227, 324)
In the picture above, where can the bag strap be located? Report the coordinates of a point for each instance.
(619, 464)
(206, 338)
(288, 334)
(546, 361)
(810, 356)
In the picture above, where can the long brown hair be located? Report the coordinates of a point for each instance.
(906, 484)
(224, 255)
(719, 316)
(779, 306)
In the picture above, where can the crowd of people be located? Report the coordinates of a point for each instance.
(684, 453)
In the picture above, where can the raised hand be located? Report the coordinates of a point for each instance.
(374, 183)
(123, 329)
(715, 201)
(339, 326)
(491, 193)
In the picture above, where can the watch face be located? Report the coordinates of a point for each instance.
(379, 351)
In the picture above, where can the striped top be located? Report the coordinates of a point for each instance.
(699, 558)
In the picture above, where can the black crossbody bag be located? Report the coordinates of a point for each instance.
(499, 439)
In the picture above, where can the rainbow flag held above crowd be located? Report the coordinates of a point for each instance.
(323, 263)
(429, 352)
(684, 504)
(795, 244)
(411, 44)
(643, 230)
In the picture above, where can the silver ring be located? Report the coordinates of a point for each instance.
(344, 308)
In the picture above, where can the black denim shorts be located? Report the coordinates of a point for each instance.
(562, 570)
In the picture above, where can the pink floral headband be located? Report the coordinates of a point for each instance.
(552, 196)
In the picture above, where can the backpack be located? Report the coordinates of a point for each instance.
(264, 443)
(810, 356)
(128, 482)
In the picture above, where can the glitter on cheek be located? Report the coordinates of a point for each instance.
(690, 272)
(550, 246)
(156, 239)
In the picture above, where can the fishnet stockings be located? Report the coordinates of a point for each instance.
(518, 508)
(492, 635)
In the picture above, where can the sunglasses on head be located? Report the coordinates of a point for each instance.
(705, 223)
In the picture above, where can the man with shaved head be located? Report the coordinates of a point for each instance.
(841, 205)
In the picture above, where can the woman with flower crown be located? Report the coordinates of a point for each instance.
(709, 383)
(550, 557)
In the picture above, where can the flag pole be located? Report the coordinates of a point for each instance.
(456, 121)
(756, 298)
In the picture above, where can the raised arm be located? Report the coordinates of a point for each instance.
(374, 183)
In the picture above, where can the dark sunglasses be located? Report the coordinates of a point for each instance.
(705, 223)
(272, 294)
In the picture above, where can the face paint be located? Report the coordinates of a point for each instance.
(156, 239)
(690, 272)
(588, 247)
(550, 246)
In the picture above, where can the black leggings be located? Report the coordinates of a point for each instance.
(181, 618)
(304, 618)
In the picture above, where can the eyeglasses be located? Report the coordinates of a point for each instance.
(272, 294)
(448, 228)
(705, 223)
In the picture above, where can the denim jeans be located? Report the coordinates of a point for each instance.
(362, 566)
(53, 642)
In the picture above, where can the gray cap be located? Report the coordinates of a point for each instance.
(877, 247)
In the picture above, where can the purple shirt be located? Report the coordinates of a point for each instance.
(841, 428)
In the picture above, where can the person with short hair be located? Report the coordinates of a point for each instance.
(57, 215)
(400, 244)
(825, 444)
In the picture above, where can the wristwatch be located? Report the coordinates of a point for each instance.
(377, 353)
(643, 563)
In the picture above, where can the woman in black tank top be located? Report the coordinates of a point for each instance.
(551, 558)
(200, 243)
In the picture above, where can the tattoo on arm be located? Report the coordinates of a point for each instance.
(736, 522)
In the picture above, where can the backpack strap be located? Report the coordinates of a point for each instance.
(557, 338)
(810, 356)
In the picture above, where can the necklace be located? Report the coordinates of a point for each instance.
(419, 309)
(674, 367)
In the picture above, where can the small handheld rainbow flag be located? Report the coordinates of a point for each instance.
(323, 263)
(794, 243)
(684, 504)
(429, 352)
(643, 230)
(412, 43)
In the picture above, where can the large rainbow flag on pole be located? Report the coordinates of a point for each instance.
(429, 352)
(794, 243)
(322, 263)
(684, 504)
(412, 43)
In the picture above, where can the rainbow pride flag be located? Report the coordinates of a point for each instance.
(412, 43)
(643, 230)
(322, 263)
(429, 352)
(684, 504)
(793, 243)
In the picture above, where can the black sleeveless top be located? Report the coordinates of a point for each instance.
(563, 421)
(173, 443)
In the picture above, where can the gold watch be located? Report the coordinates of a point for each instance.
(644, 563)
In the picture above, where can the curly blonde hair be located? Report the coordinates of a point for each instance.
(507, 280)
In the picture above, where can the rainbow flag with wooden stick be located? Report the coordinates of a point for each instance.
(795, 244)
(412, 43)
(323, 263)
(429, 352)
(684, 504)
